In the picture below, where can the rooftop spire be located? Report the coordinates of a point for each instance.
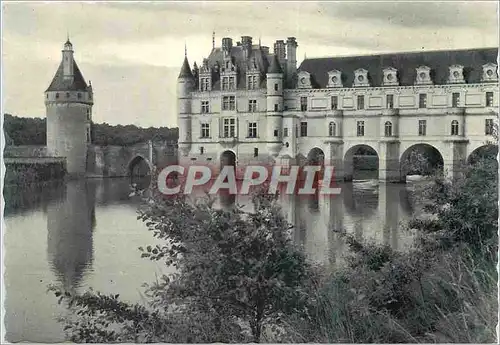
(213, 39)
(185, 69)
(185, 50)
(275, 65)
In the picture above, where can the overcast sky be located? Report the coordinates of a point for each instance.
(132, 52)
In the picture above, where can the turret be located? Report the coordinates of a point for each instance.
(68, 102)
(185, 85)
(274, 114)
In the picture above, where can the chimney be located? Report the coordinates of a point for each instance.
(246, 42)
(279, 50)
(291, 63)
(227, 44)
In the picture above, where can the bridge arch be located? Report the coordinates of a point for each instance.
(421, 159)
(139, 166)
(369, 162)
(489, 151)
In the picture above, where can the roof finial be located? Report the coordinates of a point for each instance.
(213, 39)
(260, 45)
(185, 50)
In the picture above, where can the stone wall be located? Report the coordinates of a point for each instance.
(23, 171)
(25, 151)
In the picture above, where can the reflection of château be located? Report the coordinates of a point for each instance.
(70, 225)
(250, 105)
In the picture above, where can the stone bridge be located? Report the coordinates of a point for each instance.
(138, 159)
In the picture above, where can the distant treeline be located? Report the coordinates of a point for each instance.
(32, 131)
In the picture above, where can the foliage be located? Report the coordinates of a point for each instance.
(32, 131)
(234, 270)
(443, 290)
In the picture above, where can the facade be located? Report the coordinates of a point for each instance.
(250, 106)
(68, 102)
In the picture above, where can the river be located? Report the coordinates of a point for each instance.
(83, 234)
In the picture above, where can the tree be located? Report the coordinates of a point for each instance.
(235, 270)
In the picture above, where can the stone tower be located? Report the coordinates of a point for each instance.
(274, 114)
(185, 85)
(68, 103)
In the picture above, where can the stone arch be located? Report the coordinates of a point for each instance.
(227, 157)
(358, 159)
(227, 199)
(316, 156)
(421, 159)
(139, 166)
(489, 151)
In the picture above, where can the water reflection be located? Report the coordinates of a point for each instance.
(70, 226)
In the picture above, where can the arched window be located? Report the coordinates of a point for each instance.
(332, 129)
(454, 127)
(388, 129)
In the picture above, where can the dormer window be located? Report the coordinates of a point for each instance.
(490, 72)
(204, 83)
(252, 82)
(423, 75)
(304, 80)
(390, 76)
(456, 74)
(361, 77)
(334, 79)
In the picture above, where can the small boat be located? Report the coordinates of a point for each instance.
(365, 184)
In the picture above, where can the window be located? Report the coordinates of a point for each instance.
(488, 127)
(335, 102)
(229, 128)
(388, 129)
(205, 130)
(390, 101)
(422, 127)
(276, 133)
(252, 82)
(88, 134)
(202, 149)
(252, 129)
(489, 99)
(276, 87)
(88, 114)
(454, 127)
(361, 128)
(285, 131)
(47, 96)
(90, 95)
(455, 99)
(205, 107)
(228, 103)
(303, 103)
(67, 94)
(297, 130)
(422, 100)
(332, 129)
(225, 83)
(255, 152)
(252, 105)
(361, 102)
(204, 84)
(276, 107)
(57, 95)
(79, 95)
(231, 83)
(303, 129)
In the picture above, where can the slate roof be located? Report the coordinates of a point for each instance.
(275, 66)
(262, 60)
(60, 84)
(405, 63)
(185, 69)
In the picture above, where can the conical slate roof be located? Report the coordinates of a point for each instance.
(60, 84)
(275, 66)
(185, 69)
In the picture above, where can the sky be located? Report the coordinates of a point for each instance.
(132, 52)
